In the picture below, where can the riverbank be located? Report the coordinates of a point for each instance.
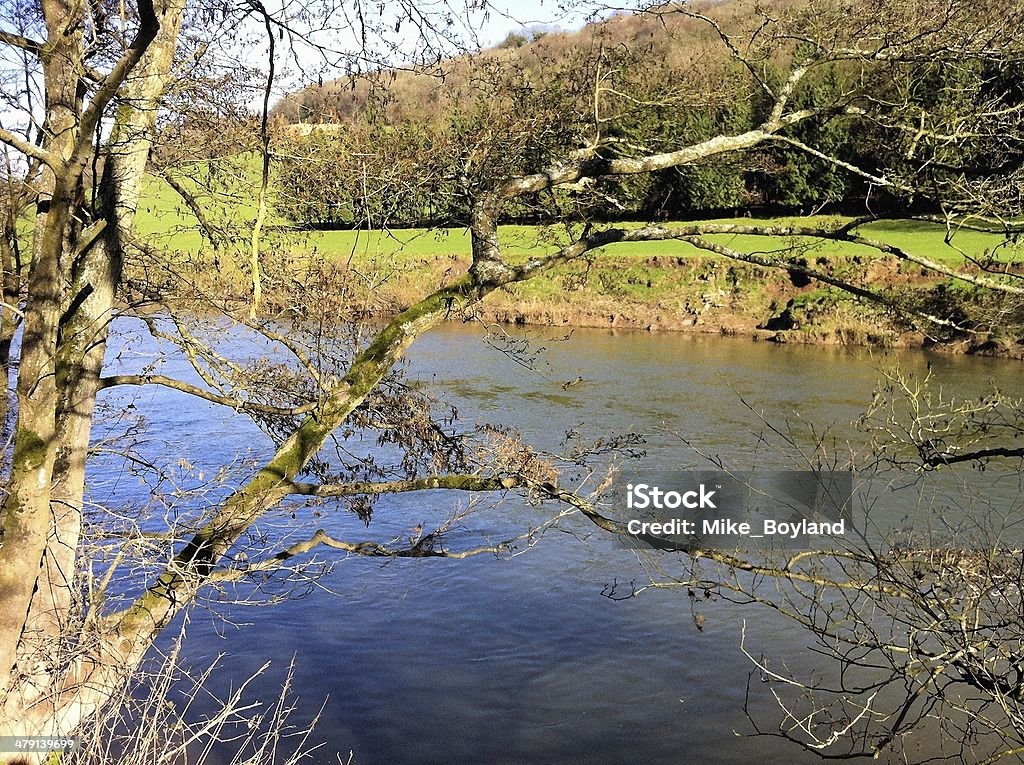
(656, 286)
(718, 297)
(657, 293)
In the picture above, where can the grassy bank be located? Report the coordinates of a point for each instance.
(655, 285)
(164, 219)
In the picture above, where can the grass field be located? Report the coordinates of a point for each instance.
(164, 219)
(656, 285)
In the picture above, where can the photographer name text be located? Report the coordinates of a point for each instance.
(642, 496)
(729, 527)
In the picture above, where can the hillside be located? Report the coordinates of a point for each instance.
(674, 41)
(625, 86)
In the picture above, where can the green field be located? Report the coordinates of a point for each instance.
(166, 221)
(657, 285)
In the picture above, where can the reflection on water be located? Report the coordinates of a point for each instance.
(525, 660)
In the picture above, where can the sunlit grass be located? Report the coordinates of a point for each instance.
(165, 220)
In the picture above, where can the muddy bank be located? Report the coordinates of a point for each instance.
(848, 331)
(671, 294)
(769, 305)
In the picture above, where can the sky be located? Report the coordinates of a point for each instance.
(298, 67)
(513, 16)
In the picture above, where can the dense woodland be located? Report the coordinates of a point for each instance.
(632, 84)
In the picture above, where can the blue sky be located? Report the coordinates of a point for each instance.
(470, 25)
(512, 16)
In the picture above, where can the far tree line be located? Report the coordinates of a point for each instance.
(348, 149)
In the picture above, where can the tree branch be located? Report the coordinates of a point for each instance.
(194, 562)
(878, 180)
(207, 395)
(19, 41)
(841, 234)
(598, 167)
(473, 483)
(367, 549)
(28, 149)
(196, 208)
(939, 459)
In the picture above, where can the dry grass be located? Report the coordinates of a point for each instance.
(168, 715)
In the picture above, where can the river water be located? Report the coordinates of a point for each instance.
(526, 659)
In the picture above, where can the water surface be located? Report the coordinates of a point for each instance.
(527, 660)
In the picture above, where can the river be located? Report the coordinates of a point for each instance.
(526, 659)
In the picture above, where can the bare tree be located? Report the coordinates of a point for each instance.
(919, 622)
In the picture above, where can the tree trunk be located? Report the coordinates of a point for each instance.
(72, 288)
(96, 277)
(25, 515)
